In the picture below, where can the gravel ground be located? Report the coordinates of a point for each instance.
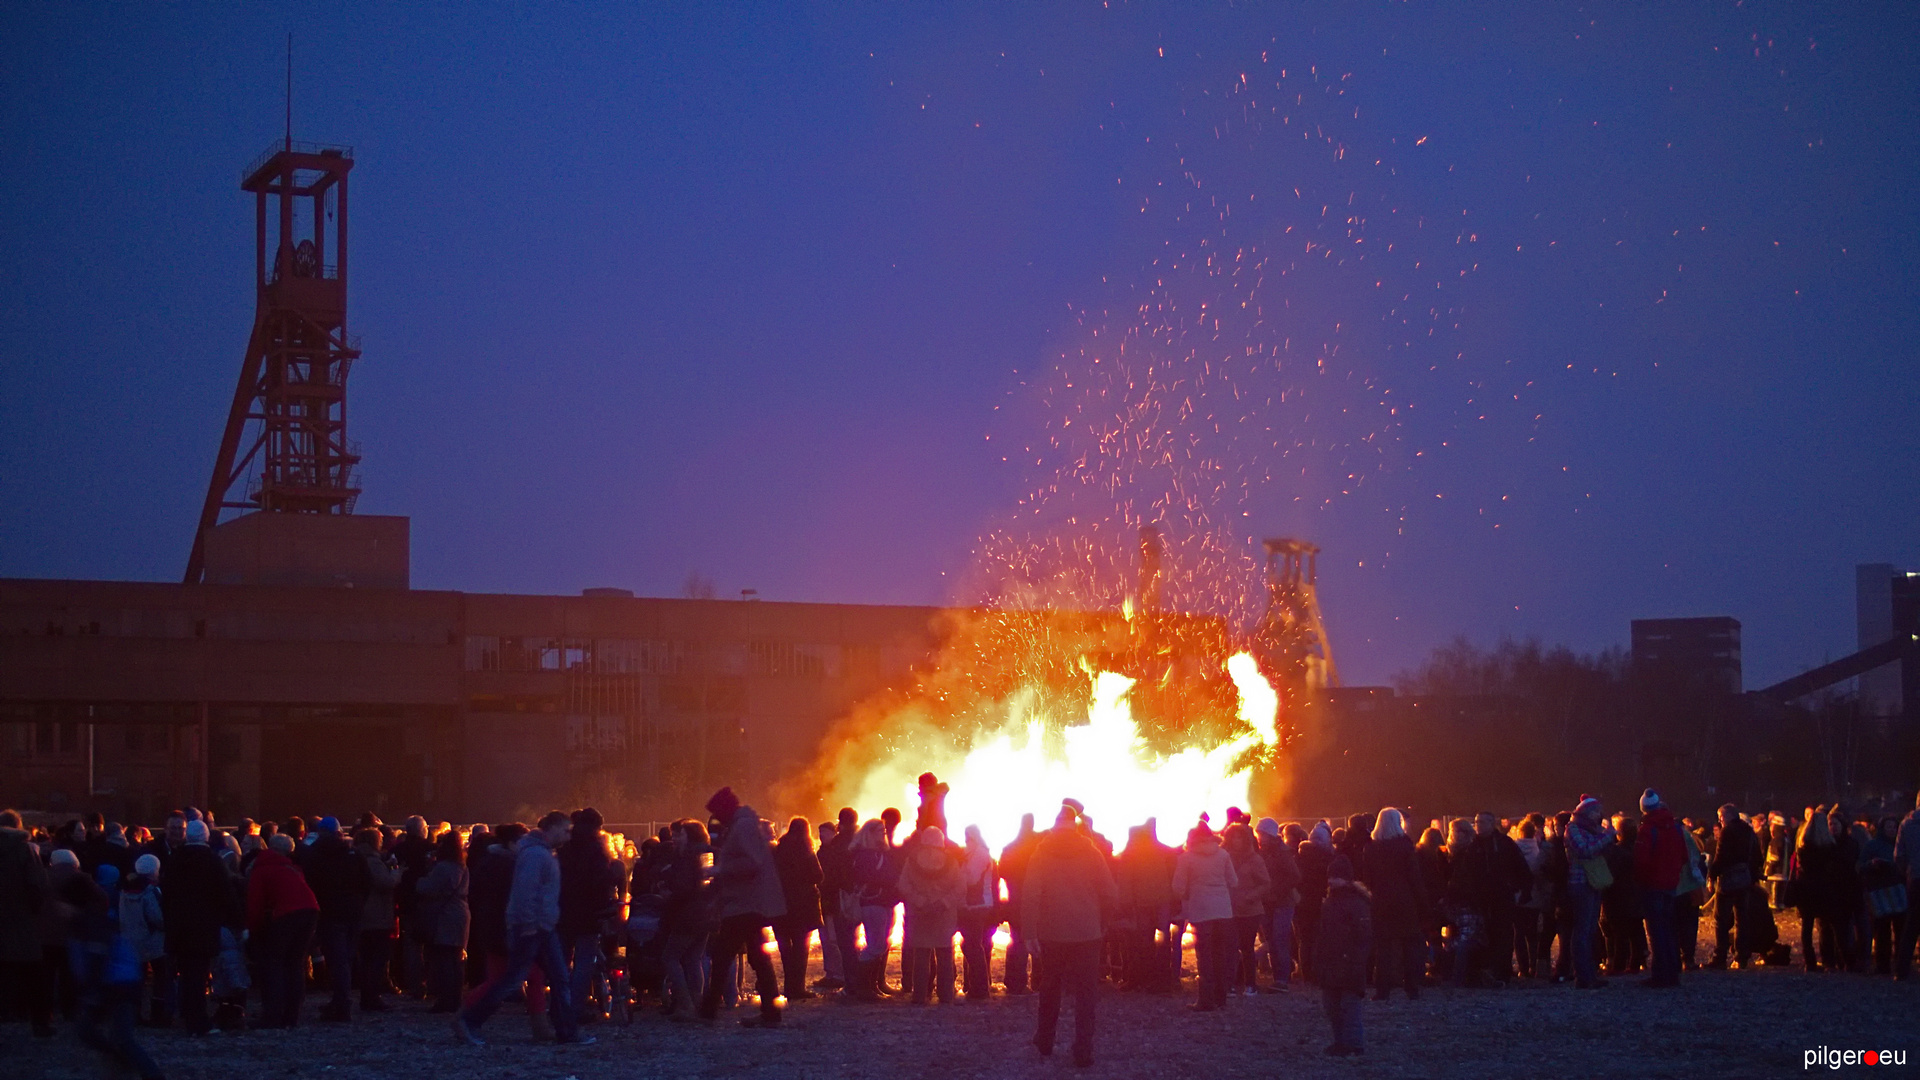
(1735, 1024)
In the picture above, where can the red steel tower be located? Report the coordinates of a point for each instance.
(290, 409)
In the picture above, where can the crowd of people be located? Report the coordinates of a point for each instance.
(111, 928)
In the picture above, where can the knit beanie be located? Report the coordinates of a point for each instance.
(196, 832)
(1268, 827)
(1649, 800)
(146, 865)
(723, 804)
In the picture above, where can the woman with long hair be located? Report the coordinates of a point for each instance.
(799, 869)
(685, 920)
(442, 918)
(876, 895)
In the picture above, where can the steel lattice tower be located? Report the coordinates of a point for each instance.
(290, 408)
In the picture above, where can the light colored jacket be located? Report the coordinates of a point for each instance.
(744, 874)
(378, 912)
(933, 899)
(1203, 883)
(533, 905)
(142, 924)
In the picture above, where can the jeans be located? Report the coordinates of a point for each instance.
(589, 970)
(1279, 934)
(1585, 901)
(739, 932)
(976, 949)
(284, 946)
(1663, 936)
(878, 924)
(1214, 955)
(115, 1006)
(1729, 907)
(1345, 1011)
(791, 939)
(525, 950)
(1069, 966)
(830, 949)
(337, 941)
(494, 970)
(1017, 957)
(933, 973)
(1244, 973)
(686, 975)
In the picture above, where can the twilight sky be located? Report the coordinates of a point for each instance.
(1558, 315)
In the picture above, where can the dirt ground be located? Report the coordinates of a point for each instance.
(1752, 1023)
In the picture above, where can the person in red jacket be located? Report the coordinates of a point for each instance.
(1659, 853)
(282, 912)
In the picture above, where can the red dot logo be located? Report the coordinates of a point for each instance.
(1870, 1057)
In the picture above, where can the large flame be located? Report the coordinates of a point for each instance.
(1023, 767)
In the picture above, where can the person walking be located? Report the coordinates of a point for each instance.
(747, 898)
(1069, 895)
(281, 913)
(1344, 934)
(532, 921)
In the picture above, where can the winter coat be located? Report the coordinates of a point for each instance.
(589, 884)
(142, 922)
(1344, 938)
(745, 879)
(870, 879)
(1251, 883)
(1490, 873)
(338, 878)
(1818, 878)
(24, 894)
(489, 882)
(414, 854)
(1068, 893)
(1737, 847)
(377, 913)
(1145, 873)
(1659, 851)
(275, 887)
(932, 895)
(1391, 871)
(1203, 883)
(198, 901)
(1436, 871)
(800, 875)
(533, 902)
(441, 915)
(1283, 873)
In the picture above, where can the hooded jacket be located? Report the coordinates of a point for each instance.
(1344, 937)
(142, 922)
(533, 903)
(1659, 851)
(441, 916)
(1204, 880)
(1399, 896)
(1251, 883)
(932, 884)
(589, 885)
(745, 878)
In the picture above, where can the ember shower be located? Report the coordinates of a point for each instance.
(1240, 368)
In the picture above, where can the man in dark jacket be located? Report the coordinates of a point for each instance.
(198, 899)
(1283, 875)
(836, 876)
(1013, 870)
(1341, 943)
(747, 898)
(338, 878)
(1069, 897)
(1392, 874)
(589, 898)
(1496, 875)
(1735, 870)
(23, 896)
